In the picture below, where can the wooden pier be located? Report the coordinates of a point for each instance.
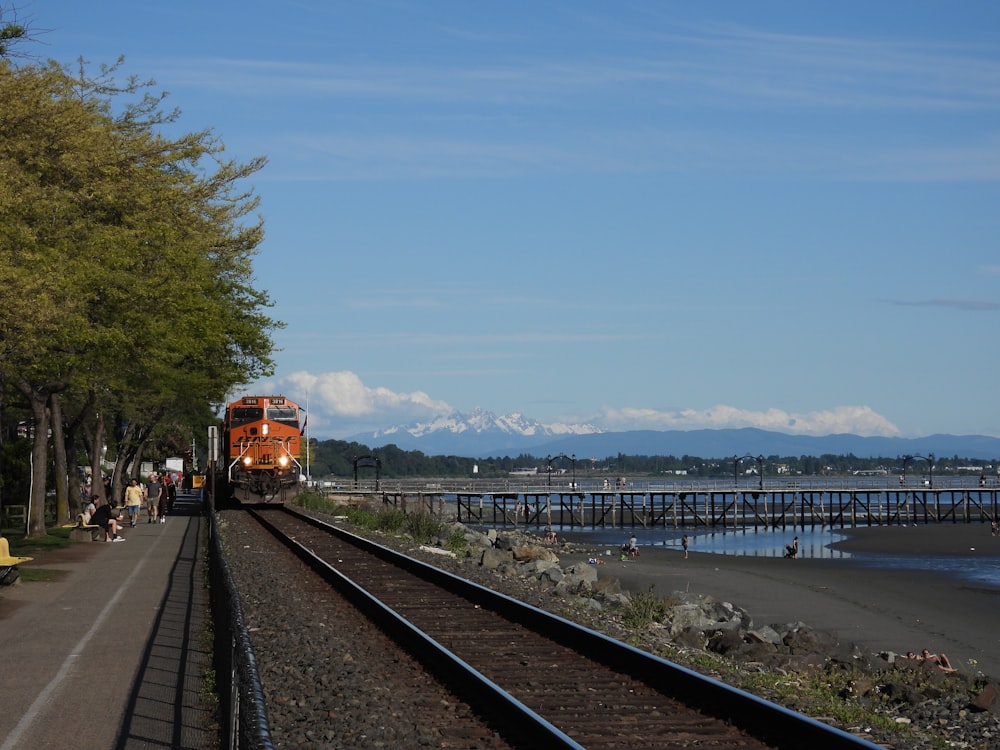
(732, 509)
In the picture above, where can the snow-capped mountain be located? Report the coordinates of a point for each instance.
(479, 432)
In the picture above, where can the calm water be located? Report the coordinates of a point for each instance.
(814, 543)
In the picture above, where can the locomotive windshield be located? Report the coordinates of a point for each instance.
(282, 414)
(243, 414)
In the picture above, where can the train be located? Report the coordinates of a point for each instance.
(262, 440)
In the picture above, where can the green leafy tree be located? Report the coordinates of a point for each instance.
(125, 258)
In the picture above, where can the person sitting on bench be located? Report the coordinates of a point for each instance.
(103, 517)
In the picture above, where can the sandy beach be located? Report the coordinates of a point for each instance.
(894, 610)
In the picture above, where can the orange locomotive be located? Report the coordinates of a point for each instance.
(261, 446)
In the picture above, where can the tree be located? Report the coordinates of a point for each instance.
(12, 31)
(100, 216)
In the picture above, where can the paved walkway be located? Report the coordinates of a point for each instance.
(112, 654)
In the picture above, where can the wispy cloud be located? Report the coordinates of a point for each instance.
(859, 420)
(718, 66)
(954, 304)
(668, 106)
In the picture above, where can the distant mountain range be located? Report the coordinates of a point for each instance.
(482, 434)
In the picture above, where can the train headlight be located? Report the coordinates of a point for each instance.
(283, 461)
(265, 429)
(247, 460)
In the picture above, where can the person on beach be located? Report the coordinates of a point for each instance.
(792, 550)
(940, 659)
(684, 544)
(633, 546)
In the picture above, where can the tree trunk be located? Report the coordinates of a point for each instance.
(39, 460)
(64, 474)
(96, 464)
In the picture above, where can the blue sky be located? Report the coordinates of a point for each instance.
(639, 215)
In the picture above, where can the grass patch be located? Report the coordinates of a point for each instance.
(311, 501)
(644, 609)
(57, 538)
(422, 527)
(40, 575)
(455, 541)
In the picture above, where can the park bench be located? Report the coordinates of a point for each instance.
(81, 531)
(8, 565)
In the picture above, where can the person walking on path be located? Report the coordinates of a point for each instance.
(164, 498)
(153, 491)
(133, 501)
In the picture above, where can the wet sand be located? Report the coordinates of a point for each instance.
(884, 610)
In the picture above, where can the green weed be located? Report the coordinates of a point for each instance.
(643, 609)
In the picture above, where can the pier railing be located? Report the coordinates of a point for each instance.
(850, 502)
(539, 485)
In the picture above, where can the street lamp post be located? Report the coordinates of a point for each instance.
(548, 463)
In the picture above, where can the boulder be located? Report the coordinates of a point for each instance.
(607, 586)
(988, 699)
(552, 574)
(765, 634)
(587, 572)
(690, 638)
(533, 568)
(573, 584)
(805, 640)
(529, 552)
(725, 642)
(493, 559)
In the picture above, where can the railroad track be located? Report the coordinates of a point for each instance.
(540, 680)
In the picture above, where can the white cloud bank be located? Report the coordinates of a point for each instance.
(856, 420)
(341, 405)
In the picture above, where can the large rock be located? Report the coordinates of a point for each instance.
(529, 552)
(808, 641)
(551, 575)
(988, 699)
(535, 567)
(606, 586)
(765, 634)
(588, 573)
(494, 559)
(706, 614)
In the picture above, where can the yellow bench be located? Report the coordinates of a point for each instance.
(87, 532)
(8, 565)
(5, 558)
